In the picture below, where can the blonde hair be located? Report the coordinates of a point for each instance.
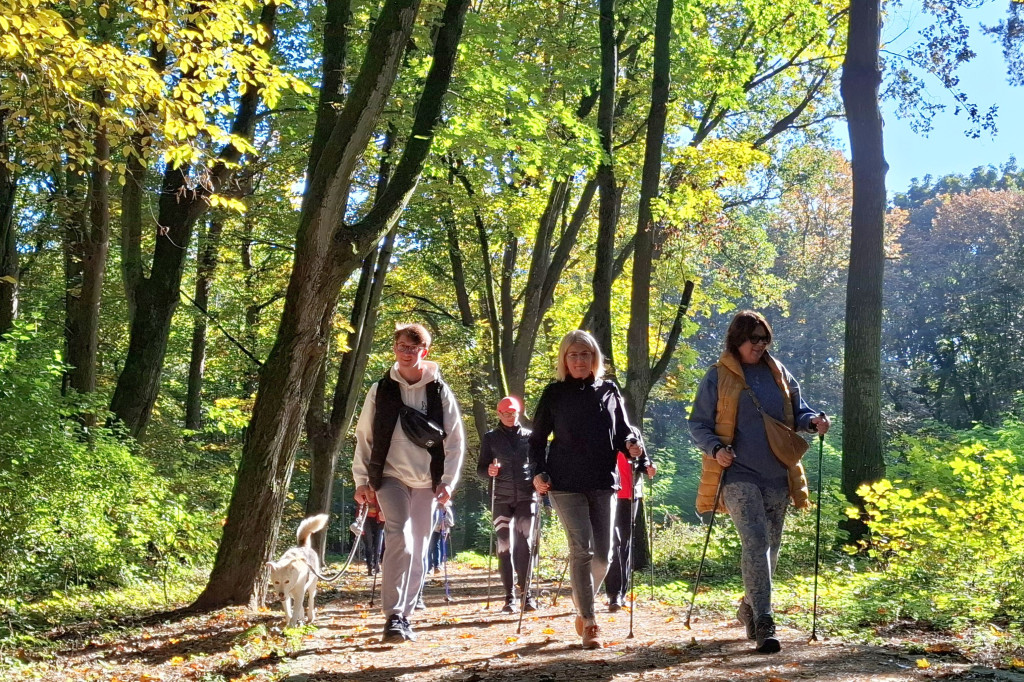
(584, 339)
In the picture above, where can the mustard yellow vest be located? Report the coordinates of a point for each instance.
(731, 385)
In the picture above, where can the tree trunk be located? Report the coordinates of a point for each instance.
(88, 240)
(156, 298)
(640, 373)
(608, 211)
(327, 252)
(9, 273)
(325, 446)
(862, 380)
(205, 269)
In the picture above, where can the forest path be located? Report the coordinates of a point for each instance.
(461, 641)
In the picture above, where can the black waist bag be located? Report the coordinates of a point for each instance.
(420, 429)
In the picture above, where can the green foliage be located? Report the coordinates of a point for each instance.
(945, 533)
(77, 506)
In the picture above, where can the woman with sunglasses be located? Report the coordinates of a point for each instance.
(587, 417)
(727, 425)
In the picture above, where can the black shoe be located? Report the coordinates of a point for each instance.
(394, 632)
(407, 632)
(614, 604)
(745, 614)
(531, 603)
(767, 642)
(510, 605)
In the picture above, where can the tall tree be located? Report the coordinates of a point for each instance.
(206, 267)
(8, 237)
(328, 249)
(862, 376)
(641, 374)
(608, 210)
(186, 192)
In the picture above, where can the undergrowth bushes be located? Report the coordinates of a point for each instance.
(80, 507)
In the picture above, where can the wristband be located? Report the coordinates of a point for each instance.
(714, 450)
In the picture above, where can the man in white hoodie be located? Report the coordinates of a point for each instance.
(408, 481)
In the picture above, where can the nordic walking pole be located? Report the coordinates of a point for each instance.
(529, 567)
(707, 539)
(650, 533)
(444, 556)
(817, 538)
(632, 540)
(490, 545)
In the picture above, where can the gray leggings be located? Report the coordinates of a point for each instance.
(588, 519)
(408, 515)
(758, 514)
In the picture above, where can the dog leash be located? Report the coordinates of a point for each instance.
(359, 522)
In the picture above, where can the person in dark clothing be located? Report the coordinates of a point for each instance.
(617, 581)
(587, 416)
(373, 538)
(505, 459)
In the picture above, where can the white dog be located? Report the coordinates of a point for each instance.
(294, 575)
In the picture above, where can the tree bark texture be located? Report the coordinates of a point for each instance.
(205, 269)
(327, 252)
(9, 273)
(608, 211)
(156, 297)
(862, 380)
(640, 373)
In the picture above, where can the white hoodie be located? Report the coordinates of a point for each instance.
(407, 462)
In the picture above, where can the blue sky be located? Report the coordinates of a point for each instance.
(947, 149)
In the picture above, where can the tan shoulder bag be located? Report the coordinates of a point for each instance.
(787, 445)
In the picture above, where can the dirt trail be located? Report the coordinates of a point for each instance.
(462, 641)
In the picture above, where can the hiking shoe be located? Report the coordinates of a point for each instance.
(767, 642)
(510, 605)
(394, 632)
(531, 603)
(419, 604)
(745, 614)
(407, 632)
(592, 637)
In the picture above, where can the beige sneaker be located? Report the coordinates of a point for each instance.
(592, 637)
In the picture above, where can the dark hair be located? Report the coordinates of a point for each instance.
(741, 327)
(415, 332)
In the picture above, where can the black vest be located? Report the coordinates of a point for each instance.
(387, 404)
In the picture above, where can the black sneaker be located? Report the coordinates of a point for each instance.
(394, 632)
(407, 632)
(767, 642)
(615, 604)
(510, 605)
(531, 603)
(745, 614)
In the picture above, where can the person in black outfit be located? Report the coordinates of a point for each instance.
(505, 458)
(587, 416)
(373, 538)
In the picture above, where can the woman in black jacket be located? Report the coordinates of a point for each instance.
(505, 458)
(587, 416)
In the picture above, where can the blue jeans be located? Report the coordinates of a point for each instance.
(588, 519)
(758, 514)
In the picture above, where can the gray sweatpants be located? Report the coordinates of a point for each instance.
(758, 514)
(588, 519)
(408, 514)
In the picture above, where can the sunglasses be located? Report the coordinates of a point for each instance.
(756, 339)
